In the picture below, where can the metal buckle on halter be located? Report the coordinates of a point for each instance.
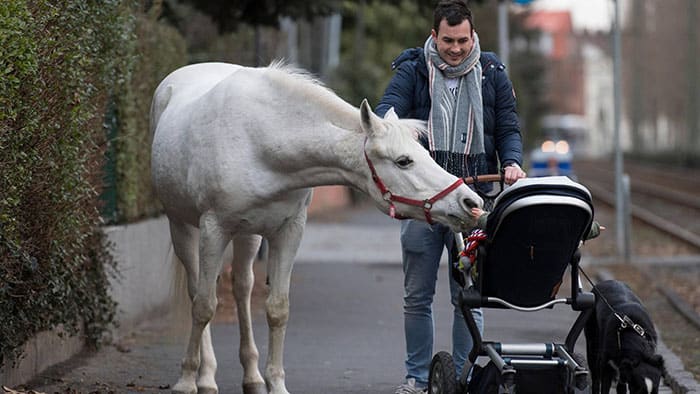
(387, 196)
(427, 205)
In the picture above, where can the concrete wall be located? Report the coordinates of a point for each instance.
(141, 289)
(146, 273)
(41, 352)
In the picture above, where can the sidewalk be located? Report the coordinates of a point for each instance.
(345, 332)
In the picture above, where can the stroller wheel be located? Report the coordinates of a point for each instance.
(443, 375)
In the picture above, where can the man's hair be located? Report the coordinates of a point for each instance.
(455, 11)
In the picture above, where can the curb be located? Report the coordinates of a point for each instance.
(675, 375)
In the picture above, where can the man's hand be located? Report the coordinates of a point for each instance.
(513, 173)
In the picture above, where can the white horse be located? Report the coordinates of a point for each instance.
(236, 151)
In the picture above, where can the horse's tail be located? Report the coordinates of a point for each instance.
(181, 305)
(160, 101)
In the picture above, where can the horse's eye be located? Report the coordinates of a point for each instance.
(403, 161)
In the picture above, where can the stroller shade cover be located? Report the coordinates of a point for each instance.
(534, 230)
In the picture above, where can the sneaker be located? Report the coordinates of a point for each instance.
(410, 388)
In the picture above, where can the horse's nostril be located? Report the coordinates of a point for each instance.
(469, 203)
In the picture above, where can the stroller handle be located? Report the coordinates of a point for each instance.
(486, 178)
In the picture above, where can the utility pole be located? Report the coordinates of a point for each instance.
(503, 29)
(639, 44)
(693, 85)
(621, 195)
(503, 44)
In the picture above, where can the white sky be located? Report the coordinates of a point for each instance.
(592, 15)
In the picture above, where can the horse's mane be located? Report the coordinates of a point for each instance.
(313, 88)
(296, 72)
(307, 85)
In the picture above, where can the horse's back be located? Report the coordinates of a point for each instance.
(213, 130)
(186, 85)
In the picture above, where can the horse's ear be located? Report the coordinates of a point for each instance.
(368, 118)
(391, 114)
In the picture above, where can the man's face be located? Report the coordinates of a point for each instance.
(453, 42)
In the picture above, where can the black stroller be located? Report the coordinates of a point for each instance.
(533, 234)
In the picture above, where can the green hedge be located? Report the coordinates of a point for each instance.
(159, 49)
(61, 65)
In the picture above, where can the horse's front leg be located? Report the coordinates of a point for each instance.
(212, 241)
(244, 250)
(283, 248)
(206, 382)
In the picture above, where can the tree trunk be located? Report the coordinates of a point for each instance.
(360, 45)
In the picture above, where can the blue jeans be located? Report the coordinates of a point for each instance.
(422, 245)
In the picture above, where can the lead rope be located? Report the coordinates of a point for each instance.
(625, 321)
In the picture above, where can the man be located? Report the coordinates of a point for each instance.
(468, 101)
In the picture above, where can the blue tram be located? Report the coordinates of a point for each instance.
(562, 134)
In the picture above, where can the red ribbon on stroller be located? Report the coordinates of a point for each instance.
(473, 241)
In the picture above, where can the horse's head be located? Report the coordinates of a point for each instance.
(406, 179)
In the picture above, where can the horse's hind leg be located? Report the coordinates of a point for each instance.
(189, 251)
(245, 248)
(185, 243)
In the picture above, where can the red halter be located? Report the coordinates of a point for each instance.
(389, 197)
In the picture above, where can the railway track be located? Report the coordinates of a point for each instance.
(666, 199)
(665, 266)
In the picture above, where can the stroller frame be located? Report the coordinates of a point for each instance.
(549, 194)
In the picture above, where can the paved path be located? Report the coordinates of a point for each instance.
(345, 333)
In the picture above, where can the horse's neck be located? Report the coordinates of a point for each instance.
(323, 152)
(324, 145)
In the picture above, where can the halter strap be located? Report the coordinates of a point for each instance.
(389, 197)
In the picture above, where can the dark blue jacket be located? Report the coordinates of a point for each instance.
(408, 94)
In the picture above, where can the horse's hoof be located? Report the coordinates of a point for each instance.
(184, 389)
(207, 385)
(179, 391)
(254, 388)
